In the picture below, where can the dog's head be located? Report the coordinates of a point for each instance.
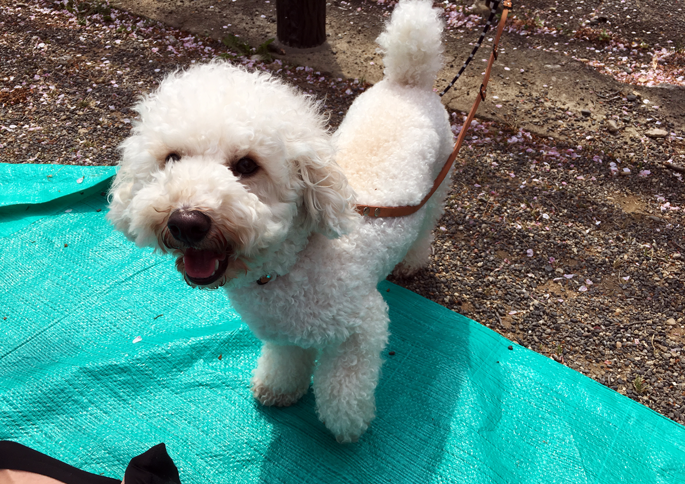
(222, 167)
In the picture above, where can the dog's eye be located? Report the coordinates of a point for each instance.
(245, 166)
(172, 157)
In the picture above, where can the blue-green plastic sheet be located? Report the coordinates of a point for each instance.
(105, 352)
(32, 184)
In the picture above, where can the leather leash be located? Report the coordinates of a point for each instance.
(373, 211)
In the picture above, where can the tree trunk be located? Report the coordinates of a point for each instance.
(301, 23)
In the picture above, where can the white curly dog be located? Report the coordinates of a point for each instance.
(235, 174)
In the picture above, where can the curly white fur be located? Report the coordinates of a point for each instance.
(293, 219)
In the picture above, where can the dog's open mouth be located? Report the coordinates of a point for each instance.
(203, 267)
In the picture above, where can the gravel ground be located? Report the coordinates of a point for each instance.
(560, 246)
(638, 43)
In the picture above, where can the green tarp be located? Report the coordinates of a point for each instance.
(25, 190)
(32, 184)
(104, 352)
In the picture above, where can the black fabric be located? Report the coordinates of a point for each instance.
(153, 467)
(17, 457)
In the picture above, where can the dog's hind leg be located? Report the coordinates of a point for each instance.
(283, 374)
(418, 255)
(346, 376)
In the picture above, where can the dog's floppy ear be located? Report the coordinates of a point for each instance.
(328, 199)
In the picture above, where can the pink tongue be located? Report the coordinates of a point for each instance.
(199, 264)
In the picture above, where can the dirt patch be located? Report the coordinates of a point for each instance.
(467, 308)
(507, 320)
(609, 286)
(677, 335)
(632, 204)
(552, 288)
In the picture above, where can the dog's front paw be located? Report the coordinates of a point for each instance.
(274, 398)
(349, 431)
(352, 437)
(346, 418)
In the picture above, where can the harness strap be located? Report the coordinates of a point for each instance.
(372, 211)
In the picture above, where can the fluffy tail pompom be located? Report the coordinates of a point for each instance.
(412, 44)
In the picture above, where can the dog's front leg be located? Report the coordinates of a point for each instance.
(346, 377)
(283, 374)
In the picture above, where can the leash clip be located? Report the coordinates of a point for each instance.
(506, 4)
(483, 92)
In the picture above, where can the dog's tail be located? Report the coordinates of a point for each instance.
(412, 44)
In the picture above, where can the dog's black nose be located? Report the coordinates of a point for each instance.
(189, 227)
